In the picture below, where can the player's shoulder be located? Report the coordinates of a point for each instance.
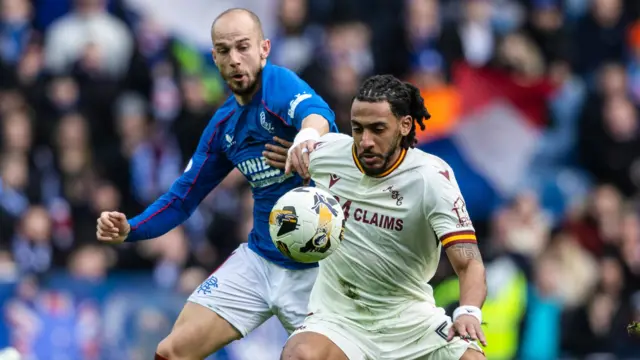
(280, 76)
(216, 125)
(332, 143)
(429, 166)
(283, 87)
(331, 153)
(224, 112)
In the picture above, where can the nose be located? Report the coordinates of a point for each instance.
(235, 57)
(367, 143)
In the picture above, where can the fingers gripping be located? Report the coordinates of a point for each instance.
(286, 144)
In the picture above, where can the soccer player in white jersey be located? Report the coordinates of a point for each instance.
(372, 299)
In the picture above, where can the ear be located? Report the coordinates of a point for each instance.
(406, 123)
(213, 56)
(265, 49)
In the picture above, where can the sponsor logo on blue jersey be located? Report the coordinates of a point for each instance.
(293, 104)
(260, 174)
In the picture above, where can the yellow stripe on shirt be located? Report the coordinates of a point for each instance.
(458, 237)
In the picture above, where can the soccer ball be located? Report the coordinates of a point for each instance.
(9, 354)
(306, 224)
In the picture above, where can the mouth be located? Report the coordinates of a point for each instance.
(370, 159)
(238, 77)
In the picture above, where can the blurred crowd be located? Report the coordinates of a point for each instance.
(101, 107)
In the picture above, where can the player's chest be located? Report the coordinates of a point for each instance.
(243, 140)
(376, 206)
(249, 130)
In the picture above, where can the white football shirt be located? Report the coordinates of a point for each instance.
(396, 225)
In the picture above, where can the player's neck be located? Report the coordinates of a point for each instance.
(393, 159)
(391, 162)
(244, 99)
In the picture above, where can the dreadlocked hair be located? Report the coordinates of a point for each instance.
(403, 98)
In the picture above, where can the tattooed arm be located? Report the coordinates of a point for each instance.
(447, 214)
(467, 263)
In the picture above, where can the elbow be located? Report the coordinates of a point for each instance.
(183, 208)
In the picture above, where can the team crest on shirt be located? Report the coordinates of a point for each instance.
(267, 125)
(460, 209)
(395, 195)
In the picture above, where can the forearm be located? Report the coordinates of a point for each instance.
(317, 123)
(159, 218)
(467, 263)
(473, 285)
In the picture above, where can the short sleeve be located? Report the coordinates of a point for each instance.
(303, 104)
(446, 209)
(292, 99)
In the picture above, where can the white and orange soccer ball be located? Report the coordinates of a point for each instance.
(306, 224)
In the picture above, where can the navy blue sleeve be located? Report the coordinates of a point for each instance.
(293, 99)
(207, 168)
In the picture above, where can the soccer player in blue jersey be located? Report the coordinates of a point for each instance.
(256, 281)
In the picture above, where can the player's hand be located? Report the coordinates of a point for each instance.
(298, 160)
(276, 155)
(113, 227)
(468, 328)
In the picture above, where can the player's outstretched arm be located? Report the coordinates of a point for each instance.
(467, 263)
(207, 168)
(447, 214)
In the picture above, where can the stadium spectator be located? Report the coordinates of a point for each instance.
(91, 35)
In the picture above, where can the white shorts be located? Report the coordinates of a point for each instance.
(246, 290)
(427, 342)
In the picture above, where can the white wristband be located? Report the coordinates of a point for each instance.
(468, 310)
(304, 135)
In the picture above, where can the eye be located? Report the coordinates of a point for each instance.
(222, 51)
(379, 130)
(356, 129)
(243, 48)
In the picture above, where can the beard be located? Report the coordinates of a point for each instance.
(247, 89)
(385, 157)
